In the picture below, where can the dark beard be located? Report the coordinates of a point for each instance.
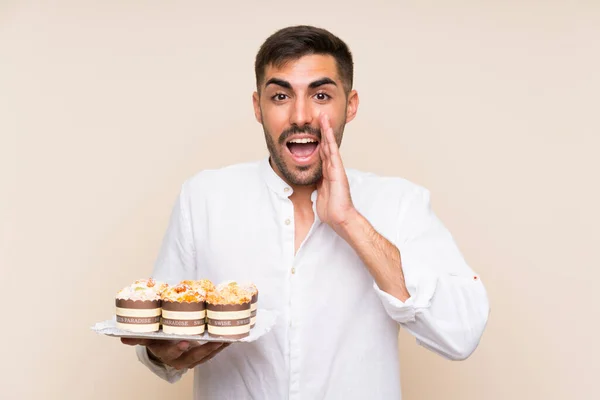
(302, 177)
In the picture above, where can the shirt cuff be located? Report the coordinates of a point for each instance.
(421, 292)
(163, 371)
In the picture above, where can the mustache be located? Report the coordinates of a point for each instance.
(294, 129)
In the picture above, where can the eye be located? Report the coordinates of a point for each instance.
(322, 96)
(279, 97)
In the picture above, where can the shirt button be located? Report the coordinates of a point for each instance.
(287, 189)
(287, 221)
(293, 270)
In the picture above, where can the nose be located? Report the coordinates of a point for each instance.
(301, 113)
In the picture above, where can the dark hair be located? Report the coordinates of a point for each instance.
(294, 42)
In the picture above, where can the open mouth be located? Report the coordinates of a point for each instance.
(302, 149)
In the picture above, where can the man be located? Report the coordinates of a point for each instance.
(344, 257)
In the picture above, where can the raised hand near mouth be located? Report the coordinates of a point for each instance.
(334, 203)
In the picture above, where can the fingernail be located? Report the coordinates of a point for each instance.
(183, 346)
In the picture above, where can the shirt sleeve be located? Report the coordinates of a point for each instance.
(175, 261)
(448, 307)
(163, 371)
(176, 257)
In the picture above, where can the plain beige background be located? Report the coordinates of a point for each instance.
(106, 107)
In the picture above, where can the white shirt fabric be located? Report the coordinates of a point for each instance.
(336, 335)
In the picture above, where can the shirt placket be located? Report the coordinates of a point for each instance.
(295, 295)
(293, 300)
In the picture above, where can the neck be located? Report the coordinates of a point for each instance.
(301, 194)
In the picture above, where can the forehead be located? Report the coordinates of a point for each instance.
(303, 71)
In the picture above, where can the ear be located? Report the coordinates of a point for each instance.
(256, 104)
(352, 105)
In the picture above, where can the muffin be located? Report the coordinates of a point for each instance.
(138, 306)
(228, 311)
(203, 284)
(206, 285)
(251, 288)
(183, 310)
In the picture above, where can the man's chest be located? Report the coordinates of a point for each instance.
(324, 272)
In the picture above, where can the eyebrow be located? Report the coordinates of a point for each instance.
(312, 85)
(278, 82)
(321, 82)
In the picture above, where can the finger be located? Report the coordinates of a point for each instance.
(324, 121)
(324, 125)
(168, 351)
(325, 128)
(195, 355)
(135, 342)
(332, 146)
(323, 155)
(325, 140)
(211, 355)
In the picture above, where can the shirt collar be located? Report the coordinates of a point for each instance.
(274, 181)
(278, 185)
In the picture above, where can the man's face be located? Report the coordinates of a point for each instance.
(292, 98)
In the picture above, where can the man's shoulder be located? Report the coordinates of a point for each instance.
(373, 183)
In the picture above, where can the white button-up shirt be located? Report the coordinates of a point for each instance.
(336, 335)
